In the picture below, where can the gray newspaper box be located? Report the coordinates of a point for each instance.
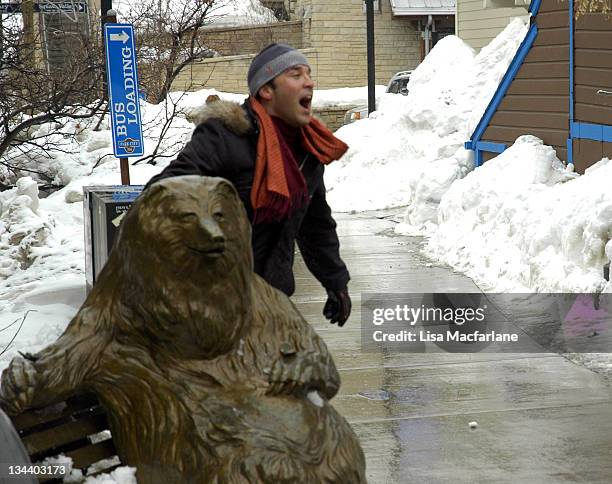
(103, 210)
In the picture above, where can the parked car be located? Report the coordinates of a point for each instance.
(397, 85)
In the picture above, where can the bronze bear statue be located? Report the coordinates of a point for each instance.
(207, 373)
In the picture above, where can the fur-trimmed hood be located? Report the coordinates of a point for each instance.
(232, 114)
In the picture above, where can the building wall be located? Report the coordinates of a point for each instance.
(337, 33)
(593, 69)
(477, 26)
(228, 74)
(592, 73)
(333, 39)
(537, 101)
(251, 39)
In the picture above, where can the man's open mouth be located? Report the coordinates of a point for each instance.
(306, 101)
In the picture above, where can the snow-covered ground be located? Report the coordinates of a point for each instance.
(522, 222)
(42, 273)
(41, 240)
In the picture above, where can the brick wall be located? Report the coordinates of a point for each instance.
(251, 39)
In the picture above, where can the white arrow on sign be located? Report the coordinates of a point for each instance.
(117, 220)
(122, 37)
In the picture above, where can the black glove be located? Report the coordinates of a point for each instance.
(338, 306)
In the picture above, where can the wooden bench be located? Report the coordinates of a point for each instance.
(76, 428)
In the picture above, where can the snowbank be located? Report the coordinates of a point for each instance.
(523, 222)
(411, 149)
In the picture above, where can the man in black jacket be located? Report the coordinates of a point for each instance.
(273, 151)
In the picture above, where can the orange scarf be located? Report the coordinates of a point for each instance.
(270, 195)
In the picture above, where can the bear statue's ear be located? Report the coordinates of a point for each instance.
(149, 201)
(226, 186)
(155, 188)
(153, 191)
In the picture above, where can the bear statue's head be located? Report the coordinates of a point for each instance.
(183, 261)
(196, 226)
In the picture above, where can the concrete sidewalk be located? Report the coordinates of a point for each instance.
(540, 418)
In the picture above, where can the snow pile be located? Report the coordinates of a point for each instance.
(121, 475)
(523, 222)
(53, 155)
(436, 95)
(411, 150)
(345, 97)
(23, 229)
(76, 148)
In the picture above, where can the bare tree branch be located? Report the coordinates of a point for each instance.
(34, 93)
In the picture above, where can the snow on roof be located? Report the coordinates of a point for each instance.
(423, 7)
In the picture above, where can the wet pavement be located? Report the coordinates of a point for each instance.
(536, 417)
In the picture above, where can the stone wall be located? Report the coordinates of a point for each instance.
(251, 39)
(228, 74)
(332, 117)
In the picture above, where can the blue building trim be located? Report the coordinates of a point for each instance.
(515, 65)
(534, 7)
(570, 142)
(595, 132)
(571, 61)
(491, 147)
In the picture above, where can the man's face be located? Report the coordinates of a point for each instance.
(291, 96)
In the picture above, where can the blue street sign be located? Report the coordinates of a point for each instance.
(65, 7)
(79, 7)
(122, 78)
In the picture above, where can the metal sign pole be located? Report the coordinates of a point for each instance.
(371, 58)
(107, 14)
(125, 171)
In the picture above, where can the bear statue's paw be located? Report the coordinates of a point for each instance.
(18, 384)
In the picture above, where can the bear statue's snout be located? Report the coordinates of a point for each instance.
(213, 238)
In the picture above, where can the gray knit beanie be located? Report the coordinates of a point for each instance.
(270, 62)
